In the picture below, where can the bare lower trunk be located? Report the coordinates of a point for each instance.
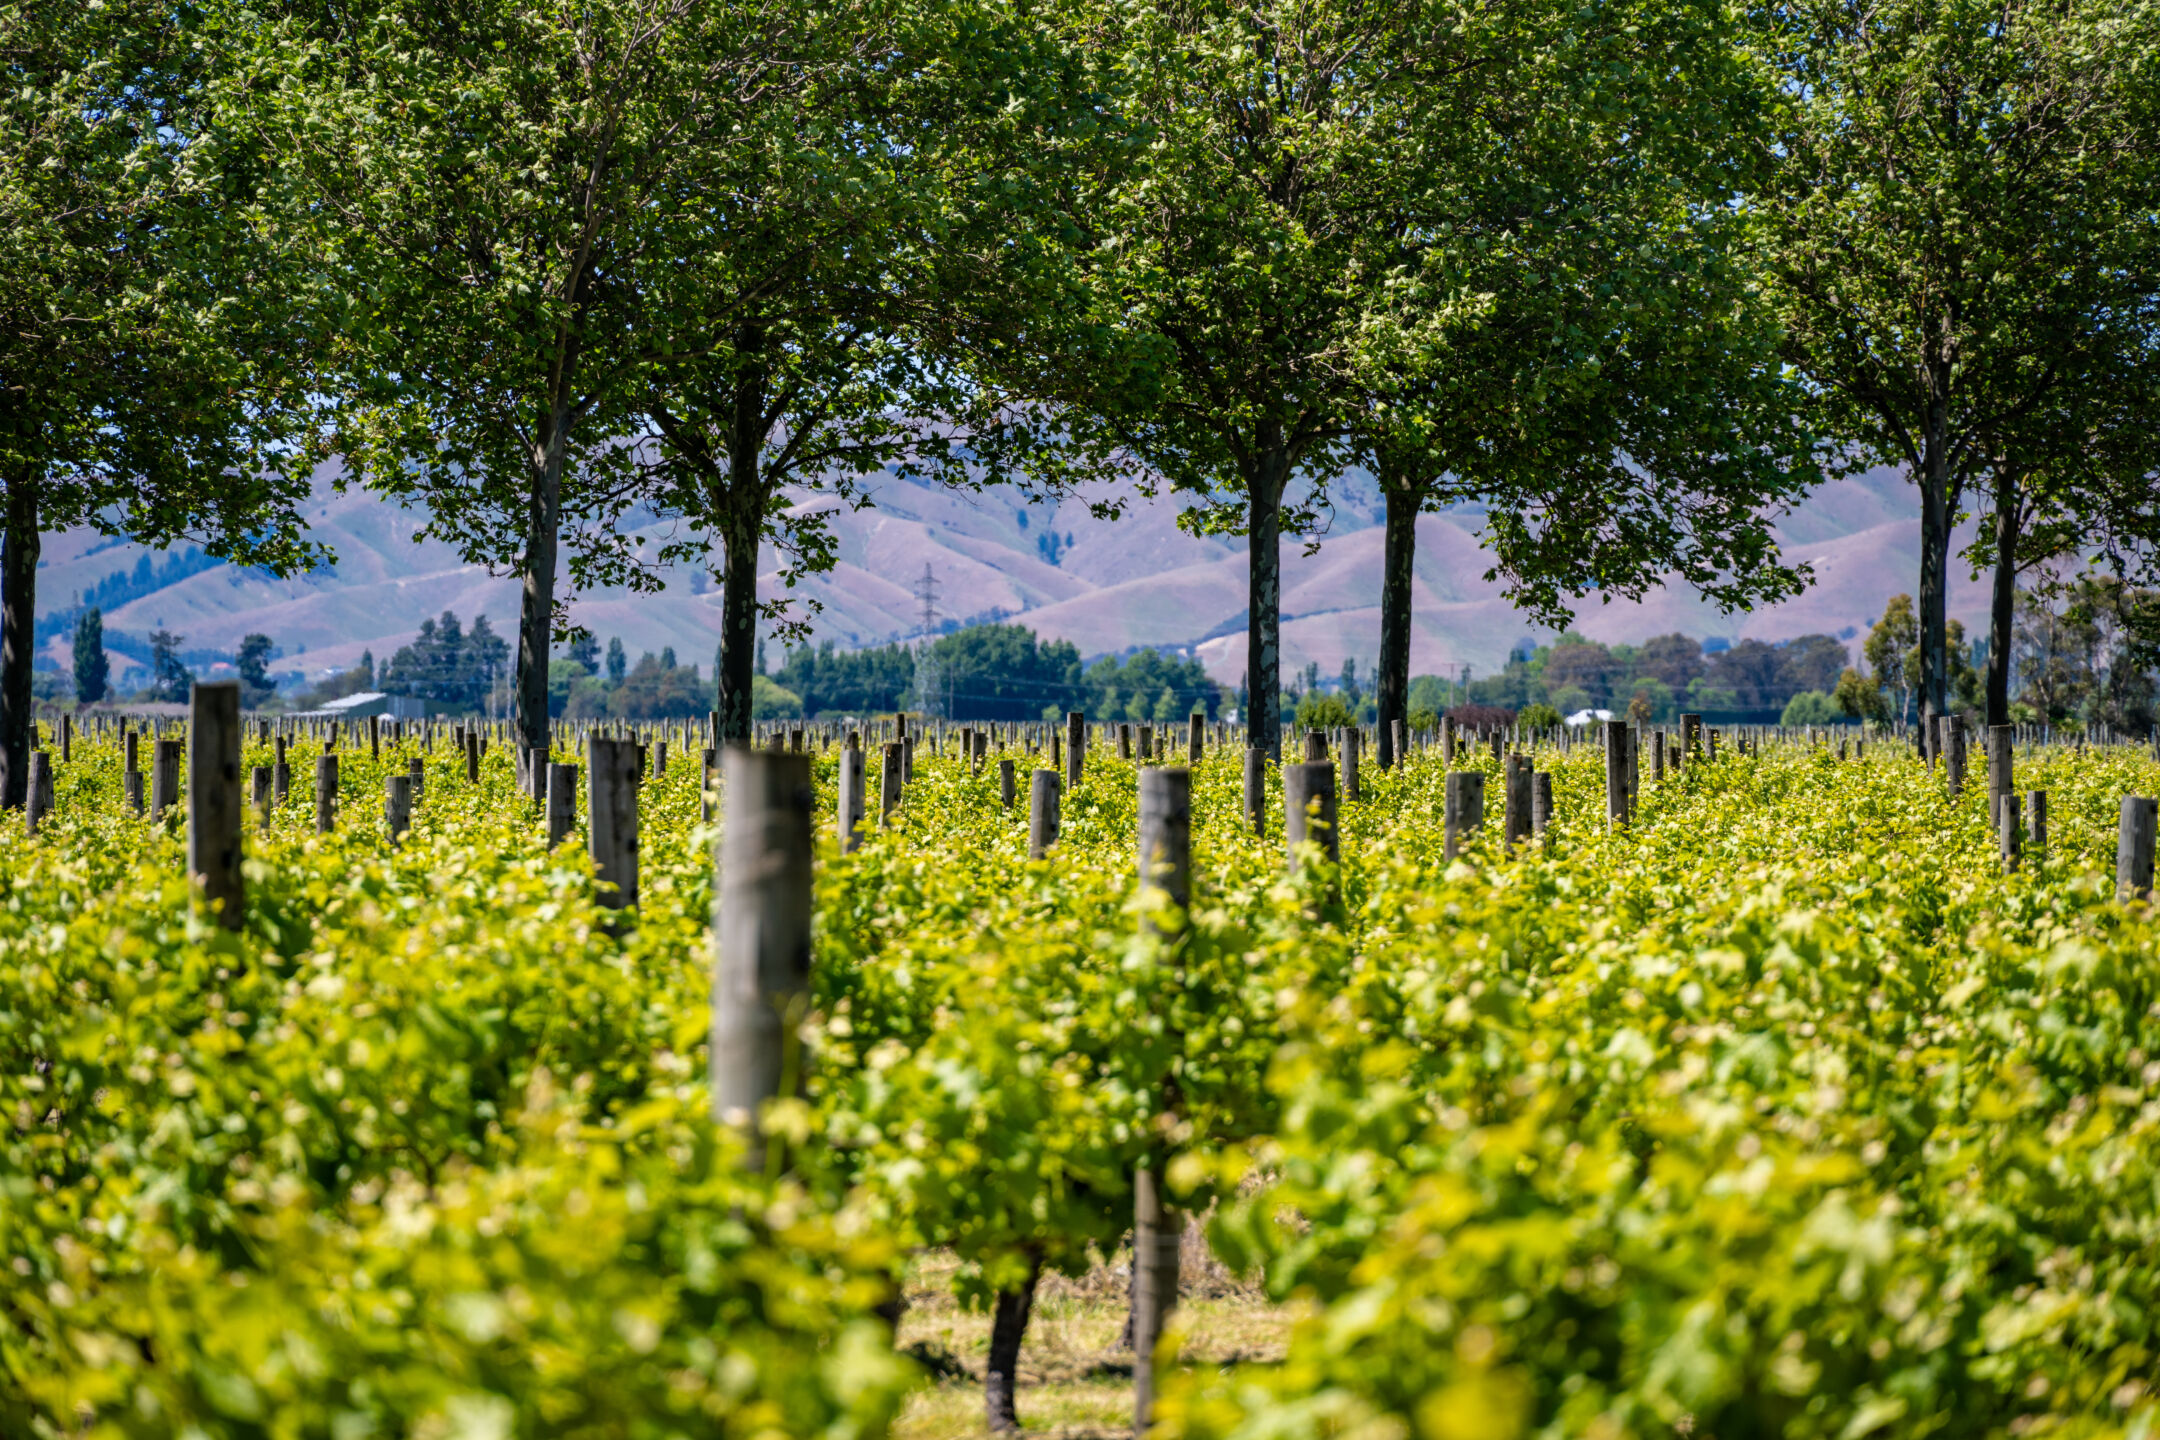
(1263, 600)
(738, 631)
(536, 612)
(18, 639)
(1391, 687)
(739, 511)
(1938, 498)
(1008, 1327)
(2002, 608)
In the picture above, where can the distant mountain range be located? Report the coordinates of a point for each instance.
(1108, 586)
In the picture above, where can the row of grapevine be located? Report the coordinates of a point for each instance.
(1779, 1107)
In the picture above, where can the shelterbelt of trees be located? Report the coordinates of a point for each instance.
(1625, 277)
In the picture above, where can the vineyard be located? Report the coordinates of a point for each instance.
(1783, 1108)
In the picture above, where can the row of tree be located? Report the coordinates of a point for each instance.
(1630, 276)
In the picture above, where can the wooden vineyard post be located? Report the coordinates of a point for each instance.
(2007, 825)
(259, 793)
(851, 797)
(214, 798)
(67, 738)
(1952, 747)
(1309, 805)
(326, 782)
(561, 802)
(1195, 737)
(889, 779)
(164, 777)
(1690, 739)
(1005, 782)
(1462, 807)
(2134, 847)
(1540, 802)
(2000, 740)
(1042, 813)
(1616, 774)
(38, 796)
(472, 756)
(1075, 748)
(1517, 801)
(1124, 742)
(1352, 742)
(397, 805)
(1315, 746)
(131, 779)
(2036, 830)
(281, 774)
(1165, 864)
(1256, 788)
(761, 935)
(611, 819)
(536, 774)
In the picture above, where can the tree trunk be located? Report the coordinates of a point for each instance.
(536, 615)
(738, 625)
(1391, 686)
(1263, 598)
(1008, 1327)
(1937, 499)
(2002, 609)
(18, 639)
(739, 512)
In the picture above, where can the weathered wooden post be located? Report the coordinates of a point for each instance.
(1315, 746)
(214, 797)
(1005, 782)
(2036, 831)
(2134, 847)
(1462, 807)
(472, 756)
(1616, 774)
(164, 777)
(761, 935)
(1165, 864)
(1195, 736)
(1309, 810)
(397, 805)
(1691, 738)
(2001, 740)
(1540, 802)
(2007, 825)
(326, 784)
(259, 793)
(889, 781)
(1516, 813)
(1075, 748)
(67, 738)
(561, 802)
(1042, 813)
(851, 797)
(611, 819)
(1352, 742)
(132, 779)
(38, 797)
(1953, 752)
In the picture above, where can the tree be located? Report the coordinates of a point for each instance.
(618, 660)
(1956, 225)
(1859, 697)
(253, 662)
(151, 369)
(1890, 641)
(483, 179)
(93, 671)
(169, 678)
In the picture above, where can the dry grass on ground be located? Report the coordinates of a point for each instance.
(1075, 1383)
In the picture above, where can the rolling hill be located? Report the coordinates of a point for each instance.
(1107, 585)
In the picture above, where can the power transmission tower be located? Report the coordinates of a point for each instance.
(930, 696)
